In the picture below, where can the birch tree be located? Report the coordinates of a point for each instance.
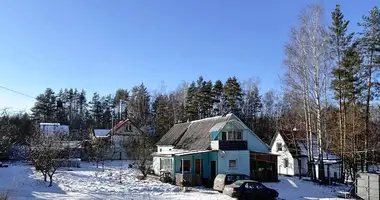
(305, 60)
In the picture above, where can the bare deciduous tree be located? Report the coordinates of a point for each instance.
(139, 150)
(306, 65)
(45, 152)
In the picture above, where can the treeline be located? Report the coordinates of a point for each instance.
(159, 110)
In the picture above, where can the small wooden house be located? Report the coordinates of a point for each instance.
(119, 136)
(292, 152)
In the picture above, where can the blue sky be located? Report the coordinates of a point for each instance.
(101, 46)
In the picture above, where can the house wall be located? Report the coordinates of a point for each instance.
(254, 143)
(164, 148)
(282, 155)
(242, 158)
(334, 168)
(157, 164)
(205, 163)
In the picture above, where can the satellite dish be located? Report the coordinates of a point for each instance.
(222, 154)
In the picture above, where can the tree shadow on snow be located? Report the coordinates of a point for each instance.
(26, 184)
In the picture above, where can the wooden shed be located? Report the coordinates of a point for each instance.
(263, 167)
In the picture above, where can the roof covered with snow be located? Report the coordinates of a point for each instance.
(101, 132)
(297, 145)
(54, 128)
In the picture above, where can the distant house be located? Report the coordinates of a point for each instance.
(54, 128)
(292, 154)
(119, 135)
(197, 151)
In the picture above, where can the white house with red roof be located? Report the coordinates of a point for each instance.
(119, 135)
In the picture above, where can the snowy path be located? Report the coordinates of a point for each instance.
(89, 182)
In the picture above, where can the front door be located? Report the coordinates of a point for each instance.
(213, 170)
(198, 167)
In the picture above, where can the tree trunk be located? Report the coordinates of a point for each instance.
(299, 168)
(51, 180)
(368, 99)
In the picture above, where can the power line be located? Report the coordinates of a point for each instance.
(20, 93)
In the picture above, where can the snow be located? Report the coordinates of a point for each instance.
(89, 182)
(101, 132)
(54, 128)
(326, 155)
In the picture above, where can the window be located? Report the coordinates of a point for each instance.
(170, 149)
(279, 146)
(286, 163)
(238, 135)
(186, 166)
(160, 150)
(166, 164)
(224, 136)
(232, 135)
(232, 164)
(249, 186)
(128, 128)
(259, 186)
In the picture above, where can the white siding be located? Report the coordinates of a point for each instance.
(242, 158)
(164, 148)
(282, 155)
(334, 168)
(156, 165)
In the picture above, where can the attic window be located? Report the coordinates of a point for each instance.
(128, 128)
(234, 135)
(279, 146)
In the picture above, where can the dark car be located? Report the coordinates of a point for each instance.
(248, 189)
(225, 179)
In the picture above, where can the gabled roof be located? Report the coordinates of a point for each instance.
(194, 135)
(175, 133)
(197, 135)
(101, 132)
(121, 124)
(298, 147)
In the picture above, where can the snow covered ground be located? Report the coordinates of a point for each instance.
(89, 182)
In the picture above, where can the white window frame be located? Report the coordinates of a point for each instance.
(281, 146)
(229, 164)
(286, 162)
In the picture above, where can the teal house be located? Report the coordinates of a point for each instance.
(197, 151)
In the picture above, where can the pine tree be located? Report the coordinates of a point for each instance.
(370, 48)
(340, 41)
(206, 99)
(139, 106)
(96, 110)
(233, 96)
(45, 107)
(218, 101)
(192, 102)
(162, 118)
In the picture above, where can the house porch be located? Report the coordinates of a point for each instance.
(198, 168)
